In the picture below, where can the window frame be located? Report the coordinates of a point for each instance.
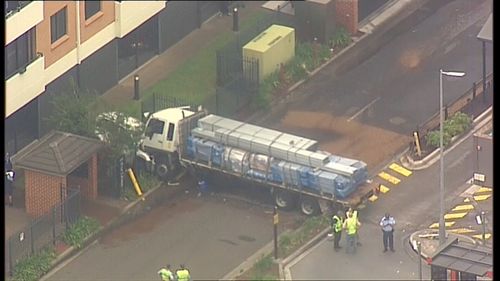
(90, 9)
(26, 43)
(55, 25)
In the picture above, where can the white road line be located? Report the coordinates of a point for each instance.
(362, 109)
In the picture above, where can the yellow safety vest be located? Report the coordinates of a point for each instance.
(351, 226)
(338, 226)
(183, 275)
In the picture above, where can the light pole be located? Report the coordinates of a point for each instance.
(441, 153)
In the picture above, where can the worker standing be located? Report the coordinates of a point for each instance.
(387, 223)
(355, 216)
(337, 222)
(166, 274)
(351, 225)
(183, 274)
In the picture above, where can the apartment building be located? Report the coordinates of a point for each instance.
(53, 47)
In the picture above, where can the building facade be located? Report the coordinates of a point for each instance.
(55, 47)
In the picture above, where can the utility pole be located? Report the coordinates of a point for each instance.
(275, 224)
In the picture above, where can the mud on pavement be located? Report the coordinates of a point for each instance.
(349, 138)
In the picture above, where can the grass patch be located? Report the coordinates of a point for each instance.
(195, 79)
(146, 182)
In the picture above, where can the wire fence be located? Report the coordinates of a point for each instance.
(44, 231)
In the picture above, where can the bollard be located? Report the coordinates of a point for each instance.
(275, 230)
(136, 87)
(235, 20)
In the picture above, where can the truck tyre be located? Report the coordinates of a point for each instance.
(309, 206)
(162, 171)
(284, 200)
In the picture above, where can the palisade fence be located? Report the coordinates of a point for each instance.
(44, 231)
(237, 77)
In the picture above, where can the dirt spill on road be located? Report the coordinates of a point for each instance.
(147, 222)
(339, 136)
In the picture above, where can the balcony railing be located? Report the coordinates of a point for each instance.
(22, 68)
(12, 7)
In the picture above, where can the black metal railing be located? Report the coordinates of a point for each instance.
(44, 231)
(12, 7)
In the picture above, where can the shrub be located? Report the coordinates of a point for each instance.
(82, 229)
(341, 38)
(33, 267)
(454, 126)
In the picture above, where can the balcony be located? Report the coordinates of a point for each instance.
(25, 85)
(130, 14)
(22, 18)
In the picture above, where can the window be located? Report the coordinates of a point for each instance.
(58, 25)
(91, 8)
(20, 53)
(155, 126)
(170, 133)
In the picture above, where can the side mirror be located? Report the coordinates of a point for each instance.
(146, 115)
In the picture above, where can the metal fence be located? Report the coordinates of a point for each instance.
(237, 77)
(157, 102)
(43, 231)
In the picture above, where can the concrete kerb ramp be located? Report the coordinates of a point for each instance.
(429, 241)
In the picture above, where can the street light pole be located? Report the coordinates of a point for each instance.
(441, 171)
(441, 152)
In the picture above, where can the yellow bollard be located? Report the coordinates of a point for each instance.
(134, 182)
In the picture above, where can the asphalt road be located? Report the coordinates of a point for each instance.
(414, 203)
(211, 235)
(397, 88)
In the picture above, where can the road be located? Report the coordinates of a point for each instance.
(415, 205)
(368, 112)
(210, 234)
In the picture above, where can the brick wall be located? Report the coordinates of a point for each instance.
(42, 192)
(347, 14)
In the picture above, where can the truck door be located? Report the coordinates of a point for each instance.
(154, 134)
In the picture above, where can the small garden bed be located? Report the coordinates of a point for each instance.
(266, 269)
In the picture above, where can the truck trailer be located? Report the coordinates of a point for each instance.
(290, 166)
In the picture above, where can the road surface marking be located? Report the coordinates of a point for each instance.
(461, 230)
(480, 236)
(389, 178)
(384, 189)
(466, 207)
(446, 224)
(395, 167)
(466, 200)
(483, 189)
(362, 109)
(482, 197)
(373, 198)
(454, 216)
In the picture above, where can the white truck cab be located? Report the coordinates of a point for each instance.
(160, 139)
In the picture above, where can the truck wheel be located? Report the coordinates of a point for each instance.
(162, 171)
(309, 206)
(284, 200)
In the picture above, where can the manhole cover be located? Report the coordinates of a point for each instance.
(397, 120)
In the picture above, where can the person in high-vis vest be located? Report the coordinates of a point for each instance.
(183, 274)
(355, 215)
(166, 274)
(337, 223)
(351, 225)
